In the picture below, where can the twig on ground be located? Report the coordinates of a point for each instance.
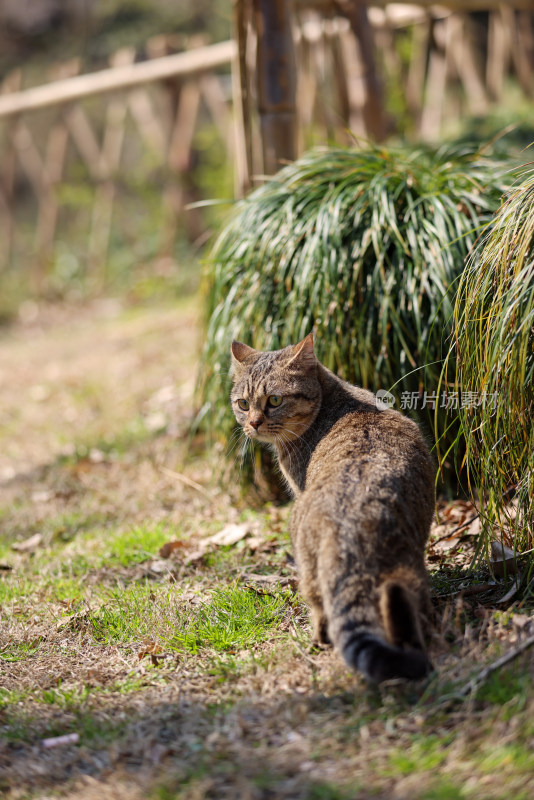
(299, 647)
(452, 533)
(501, 662)
(474, 683)
(171, 473)
(478, 588)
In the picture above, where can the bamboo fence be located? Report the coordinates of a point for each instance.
(335, 62)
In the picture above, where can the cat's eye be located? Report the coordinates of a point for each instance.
(244, 405)
(274, 400)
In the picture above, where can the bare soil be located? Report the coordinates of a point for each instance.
(96, 404)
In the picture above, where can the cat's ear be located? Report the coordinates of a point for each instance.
(303, 354)
(241, 351)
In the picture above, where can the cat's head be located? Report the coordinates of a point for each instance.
(276, 394)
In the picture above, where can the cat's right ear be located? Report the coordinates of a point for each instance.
(240, 352)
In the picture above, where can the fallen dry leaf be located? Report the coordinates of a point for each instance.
(503, 560)
(150, 648)
(230, 534)
(158, 566)
(68, 603)
(192, 598)
(197, 555)
(169, 547)
(458, 512)
(255, 542)
(522, 621)
(28, 544)
(512, 591)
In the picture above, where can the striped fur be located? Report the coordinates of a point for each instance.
(363, 482)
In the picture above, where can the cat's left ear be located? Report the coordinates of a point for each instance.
(303, 354)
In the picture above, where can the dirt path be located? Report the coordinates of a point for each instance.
(71, 375)
(151, 616)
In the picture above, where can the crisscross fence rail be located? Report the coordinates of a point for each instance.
(78, 153)
(52, 137)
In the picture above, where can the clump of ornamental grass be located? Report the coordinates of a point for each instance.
(363, 246)
(494, 351)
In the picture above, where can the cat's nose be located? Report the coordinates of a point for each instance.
(255, 422)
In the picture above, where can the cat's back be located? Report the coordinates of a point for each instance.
(355, 435)
(370, 465)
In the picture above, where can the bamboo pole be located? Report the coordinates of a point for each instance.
(415, 82)
(110, 157)
(186, 64)
(241, 97)
(373, 110)
(7, 177)
(461, 51)
(150, 128)
(522, 51)
(499, 51)
(355, 86)
(276, 78)
(438, 67)
(52, 172)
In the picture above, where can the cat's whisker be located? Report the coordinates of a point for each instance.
(292, 442)
(280, 438)
(247, 444)
(234, 440)
(290, 448)
(240, 443)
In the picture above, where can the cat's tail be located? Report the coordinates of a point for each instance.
(385, 648)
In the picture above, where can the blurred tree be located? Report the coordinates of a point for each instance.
(32, 17)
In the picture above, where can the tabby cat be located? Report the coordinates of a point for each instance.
(364, 486)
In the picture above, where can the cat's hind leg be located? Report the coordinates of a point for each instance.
(320, 635)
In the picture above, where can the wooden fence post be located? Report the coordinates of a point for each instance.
(276, 76)
(373, 109)
(109, 162)
(7, 178)
(241, 98)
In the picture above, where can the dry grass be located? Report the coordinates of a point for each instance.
(102, 637)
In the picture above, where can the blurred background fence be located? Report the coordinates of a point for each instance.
(101, 172)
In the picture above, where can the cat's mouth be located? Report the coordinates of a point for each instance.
(259, 435)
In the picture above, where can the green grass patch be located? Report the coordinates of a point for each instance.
(15, 587)
(233, 618)
(65, 527)
(133, 546)
(74, 696)
(424, 753)
(20, 650)
(517, 756)
(509, 687)
(93, 726)
(68, 557)
(443, 789)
